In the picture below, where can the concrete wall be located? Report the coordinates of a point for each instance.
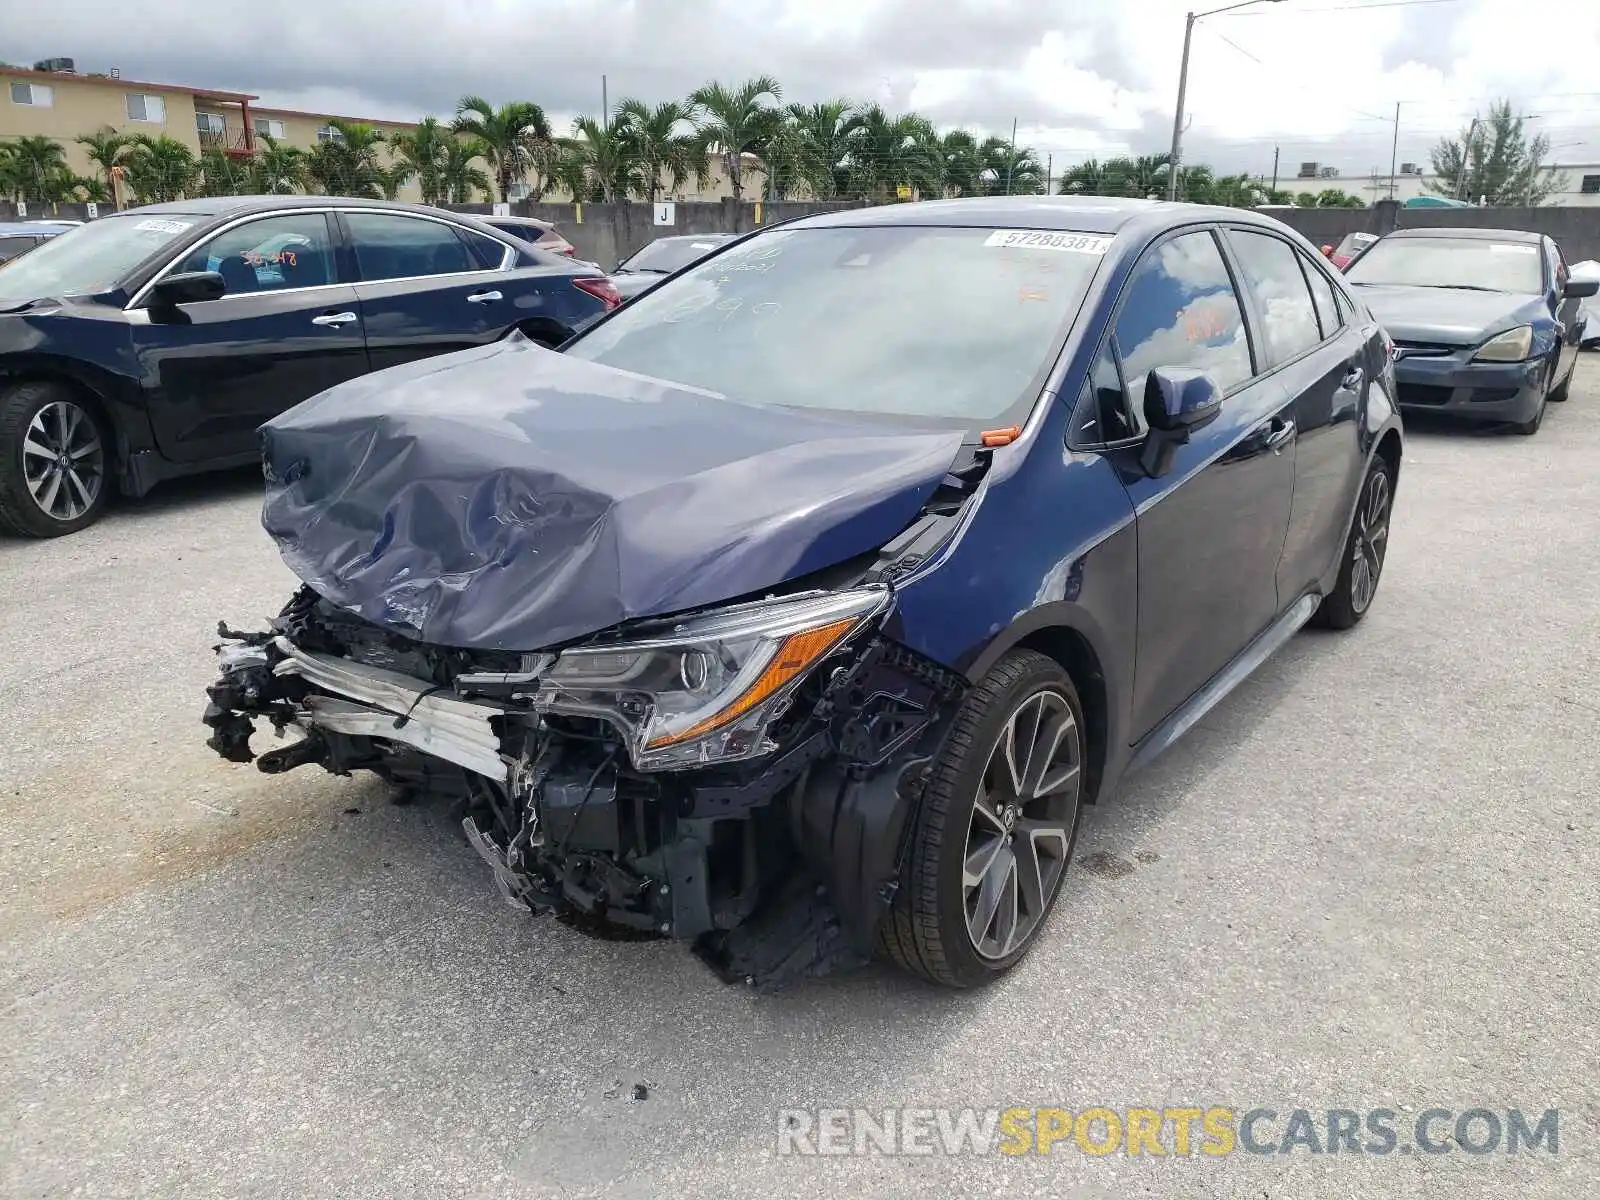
(1575, 230)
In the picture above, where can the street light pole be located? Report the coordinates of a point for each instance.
(1176, 157)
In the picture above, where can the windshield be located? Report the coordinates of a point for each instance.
(1476, 263)
(669, 254)
(954, 324)
(92, 257)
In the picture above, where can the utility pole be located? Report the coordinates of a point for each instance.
(1466, 161)
(1394, 152)
(1274, 169)
(605, 104)
(1011, 158)
(1049, 173)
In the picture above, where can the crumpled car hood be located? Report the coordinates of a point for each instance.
(512, 498)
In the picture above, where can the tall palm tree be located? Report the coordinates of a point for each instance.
(104, 149)
(160, 169)
(963, 160)
(824, 133)
(664, 145)
(278, 170)
(516, 136)
(347, 164)
(422, 151)
(221, 176)
(36, 168)
(460, 181)
(890, 152)
(1121, 176)
(734, 120)
(1011, 170)
(607, 152)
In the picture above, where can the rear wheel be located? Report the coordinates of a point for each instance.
(54, 461)
(1364, 552)
(996, 827)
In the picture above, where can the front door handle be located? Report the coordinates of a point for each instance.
(484, 297)
(1281, 431)
(1353, 378)
(335, 318)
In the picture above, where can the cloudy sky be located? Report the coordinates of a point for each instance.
(1317, 78)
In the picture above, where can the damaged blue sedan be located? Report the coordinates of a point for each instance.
(798, 608)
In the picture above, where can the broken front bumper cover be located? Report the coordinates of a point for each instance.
(774, 866)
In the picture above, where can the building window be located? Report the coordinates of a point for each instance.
(265, 127)
(37, 94)
(208, 123)
(150, 109)
(327, 133)
(1590, 185)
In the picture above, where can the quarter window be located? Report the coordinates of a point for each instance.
(1272, 272)
(1328, 314)
(489, 251)
(269, 255)
(396, 247)
(1181, 310)
(38, 95)
(150, 109)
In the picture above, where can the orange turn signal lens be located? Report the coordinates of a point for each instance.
(794, 657)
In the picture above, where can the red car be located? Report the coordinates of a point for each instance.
(1352, 248)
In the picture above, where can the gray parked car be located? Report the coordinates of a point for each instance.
(645, 268)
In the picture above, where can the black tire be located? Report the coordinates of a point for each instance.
(28, 413)
(1350, 599)
(927, 930)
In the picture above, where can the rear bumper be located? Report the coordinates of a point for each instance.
(1454, 385)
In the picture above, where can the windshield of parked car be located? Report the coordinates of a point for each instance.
(669, 254)
(954, 324)
(92, 257)
(1476, 264)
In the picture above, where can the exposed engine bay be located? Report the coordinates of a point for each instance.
(742, 778)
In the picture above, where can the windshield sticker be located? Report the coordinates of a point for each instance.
(1036, 239)
(1500, 248)
(157, 225)
(702, 245)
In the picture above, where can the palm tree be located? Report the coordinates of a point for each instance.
(1009, 170)
(35, 168)
(422, 151)
(568, 169)
(104, 149)
(824, 132)
(1122, 176)
(159, 169)
(734, 121)
(220, 176)
(278, 169)
(459, 180)
(611, 166)
(91, 189)
(964, 164)
(516, 136)
(664, 145)
(890, 152)
(347, 163)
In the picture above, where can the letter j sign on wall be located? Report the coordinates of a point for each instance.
(666, 213)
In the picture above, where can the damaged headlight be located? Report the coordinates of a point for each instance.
(701, 691)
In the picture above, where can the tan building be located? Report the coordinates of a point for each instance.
(63, 105)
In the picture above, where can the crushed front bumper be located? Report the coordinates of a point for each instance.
(774, 868)
(1448, 382)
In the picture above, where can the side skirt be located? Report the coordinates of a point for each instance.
(1266, 644)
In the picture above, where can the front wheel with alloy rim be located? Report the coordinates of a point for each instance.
(1368, 543)
(994, 832)
(54, 460)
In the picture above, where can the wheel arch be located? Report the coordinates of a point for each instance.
(98, 389)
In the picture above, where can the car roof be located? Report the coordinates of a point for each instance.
(1486, 235)
(34, 228)
(220, 206)
(1076, 214)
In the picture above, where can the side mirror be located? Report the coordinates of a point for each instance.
(1177, 401)
(187, 287)
(1578, 289)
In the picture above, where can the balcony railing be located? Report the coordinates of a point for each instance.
(230, 138)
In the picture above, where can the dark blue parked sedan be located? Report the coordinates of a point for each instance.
(153, 343)
(800, 606)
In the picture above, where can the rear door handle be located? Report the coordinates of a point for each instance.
(484, 297)
(335, 318)
(1353, 378)
(1279, 434)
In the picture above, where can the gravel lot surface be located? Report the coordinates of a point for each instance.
(1369, 879)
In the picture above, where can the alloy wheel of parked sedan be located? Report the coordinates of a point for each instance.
(1370, 541)
(63, 461)
(1021, 827)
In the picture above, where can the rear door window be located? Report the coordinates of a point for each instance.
(1180, 310)
(392, 246)
(1271, 270)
